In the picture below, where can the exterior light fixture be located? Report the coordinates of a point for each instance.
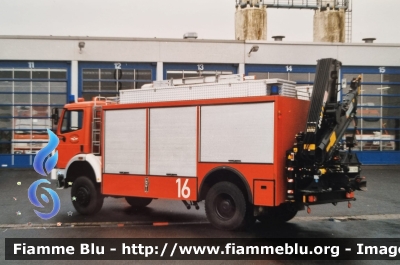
(278, 38)
(253, 49)
(190, 35)
(81, 45)
(369, 40)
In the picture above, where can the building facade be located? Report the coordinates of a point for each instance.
(41, 73)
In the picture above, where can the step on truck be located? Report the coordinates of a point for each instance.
(251, 149)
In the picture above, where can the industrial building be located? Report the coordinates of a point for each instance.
(38, 73)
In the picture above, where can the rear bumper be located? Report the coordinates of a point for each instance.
(314, 198)
(319, 196)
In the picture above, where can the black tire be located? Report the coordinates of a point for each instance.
(280, 214)
(250, 218)
(86, 196)
(137, 202)
(225, 206)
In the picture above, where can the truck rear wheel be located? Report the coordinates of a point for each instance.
(279, 214)
(225, 206)
(86, 196)
(137, 202)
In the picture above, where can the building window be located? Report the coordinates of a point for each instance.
(378, 110)
(26, 98)
(106, 82)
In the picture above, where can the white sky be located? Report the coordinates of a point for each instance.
(172, 18)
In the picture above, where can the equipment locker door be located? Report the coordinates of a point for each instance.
(173, 133)
(125, 141)
(238, 132)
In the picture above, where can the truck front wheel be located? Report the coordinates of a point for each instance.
(86, 196)
(137, 202)
(225, 206)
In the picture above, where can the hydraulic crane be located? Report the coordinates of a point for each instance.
(320, 168)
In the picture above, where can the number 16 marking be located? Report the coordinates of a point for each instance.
(185, 190)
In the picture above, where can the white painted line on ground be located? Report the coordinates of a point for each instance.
(370, 217)
(348, 218)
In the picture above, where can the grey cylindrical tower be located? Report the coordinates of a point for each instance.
(250, 20)
(329, 22)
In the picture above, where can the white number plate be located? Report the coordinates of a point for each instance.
(353, 169)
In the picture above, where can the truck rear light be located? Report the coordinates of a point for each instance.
(349, 195)
(312, 198)
(290, 180)
(290, 169)
(290, 192)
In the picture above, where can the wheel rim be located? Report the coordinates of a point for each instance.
(225, 206)
(83, 196)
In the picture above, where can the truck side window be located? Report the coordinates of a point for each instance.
(72, 121)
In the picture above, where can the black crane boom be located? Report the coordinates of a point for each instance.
(319, 164)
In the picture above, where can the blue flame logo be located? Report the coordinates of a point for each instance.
(34, 200)
(40, 164)
(43, 164)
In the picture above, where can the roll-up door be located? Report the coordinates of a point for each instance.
(241, 132)
(125, 141)
(173, 141)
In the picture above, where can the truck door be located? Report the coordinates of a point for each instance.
(71, 135)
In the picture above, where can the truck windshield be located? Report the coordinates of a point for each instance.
(72, 121)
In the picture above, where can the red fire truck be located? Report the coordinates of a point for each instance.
(220, 139)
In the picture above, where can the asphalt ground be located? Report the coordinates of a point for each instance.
(382, 198)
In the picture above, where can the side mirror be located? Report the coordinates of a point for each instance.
(55, 116)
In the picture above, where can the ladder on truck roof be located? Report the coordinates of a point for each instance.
(195, 80)
(96, 121)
